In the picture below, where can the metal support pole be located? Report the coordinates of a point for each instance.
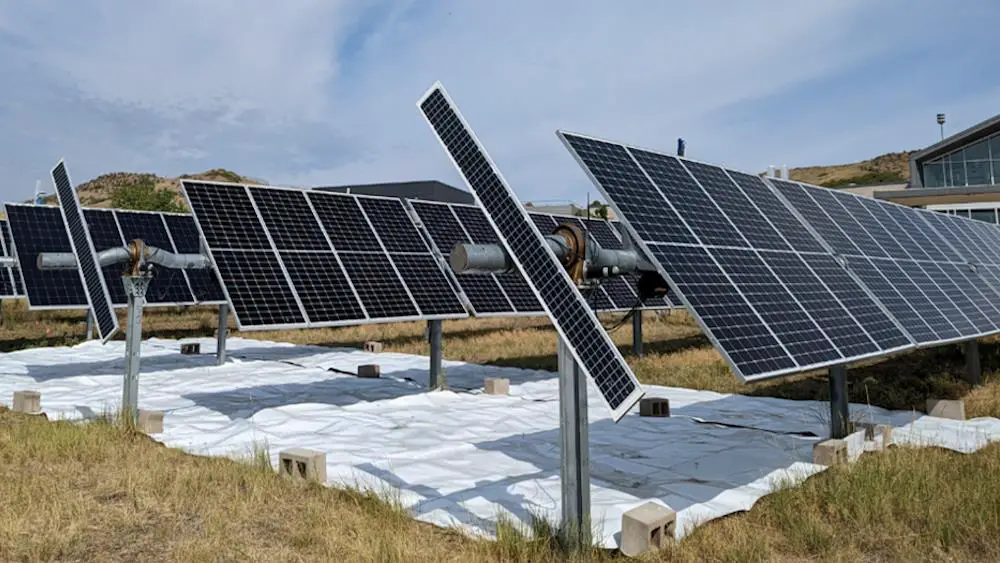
(575, 445)
(220, 337)
(973, 371)
(135, 289)
(839, 412)
(434, 329)
(637, 333)
(90, 324)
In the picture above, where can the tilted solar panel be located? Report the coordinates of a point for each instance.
(744, 265)
(291, 258)
(95, 288)
(581, 331)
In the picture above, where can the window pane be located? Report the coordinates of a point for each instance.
(978, 151)
(995, 147)
(996, 171)
(962, 212)
(934, 175)
(957, 173)
(987, 215)
(977, 172)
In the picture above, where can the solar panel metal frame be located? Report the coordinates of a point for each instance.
(8, 253)
(84, 306)
(640, 243)
(637, 393)
(929, 224)
(441, 255)
(89, 251)
(274, 249)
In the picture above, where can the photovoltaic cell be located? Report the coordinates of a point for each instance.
(184, 234)
(169, 286)
(89, 270)
(105, 234)
(594, 352)
(9, 279)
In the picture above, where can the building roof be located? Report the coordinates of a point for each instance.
(929, 196)
(431, 190)
(981, 129)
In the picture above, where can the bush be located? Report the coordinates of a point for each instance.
(143, 195)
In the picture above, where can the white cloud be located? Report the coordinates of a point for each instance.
(321, 92)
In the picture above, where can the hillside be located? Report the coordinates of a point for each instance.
(888, 168)
(145, 191)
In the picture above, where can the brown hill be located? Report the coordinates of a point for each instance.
(100, 192)
(888, 168)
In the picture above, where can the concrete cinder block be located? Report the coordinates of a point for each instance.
(191, 348)
(946, 408)
(830, 452)
(301, 463)
(654, 406)
(27, 402)
(372, 346)
(369, 370)
(647, 527)
(150, 422)
(497, 386)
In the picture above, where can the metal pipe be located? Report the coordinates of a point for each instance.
(7, 262)
(973, 369)
(220, 337)
(120, 255)
(493, 258)
(637, 333)
(434, 328)
(839, 407)
(575, 446)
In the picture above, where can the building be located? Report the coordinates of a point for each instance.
(958, 175)
(421, 189)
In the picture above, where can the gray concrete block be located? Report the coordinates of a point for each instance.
(369, 370)
(373, 346)
(302, 464)
(830, 452)
(191, 348)
(497, 386)
(946, 408)
(647, 527)
(879, 434)
(654, 406)
(27, 402)
(150, 422)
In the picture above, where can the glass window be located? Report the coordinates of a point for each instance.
(987, 215)
(934, 175)
(957, 170)
(978, 151)
(977, 172)
(996, 171)
(962, 212)
(995, 147)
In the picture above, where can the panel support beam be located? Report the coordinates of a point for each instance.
(434, 330)
(575, 447)
(637, 333)
(839, 408)
(973, 370)
(220, 337)
(90, 324)
(135, 289)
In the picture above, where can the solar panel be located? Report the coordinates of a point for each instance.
(184, 234)
(753, 286)
(922, 256)
(37, 229)
(10, 281)
(96, 290)
(581, 331)
(290, 258)
(105, 233)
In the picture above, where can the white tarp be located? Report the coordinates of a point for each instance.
(460, 457)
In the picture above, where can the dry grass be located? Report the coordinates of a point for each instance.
(101, 492)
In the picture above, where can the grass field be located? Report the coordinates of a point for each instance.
(100, 492)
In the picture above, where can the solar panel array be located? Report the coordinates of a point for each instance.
(770, 291)
(36, 229)
(10, 278)
(577, 324)
(291, 258)
(88, 267)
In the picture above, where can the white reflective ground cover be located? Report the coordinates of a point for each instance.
(460, 457)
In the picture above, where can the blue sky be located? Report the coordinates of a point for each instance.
(323, 92)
